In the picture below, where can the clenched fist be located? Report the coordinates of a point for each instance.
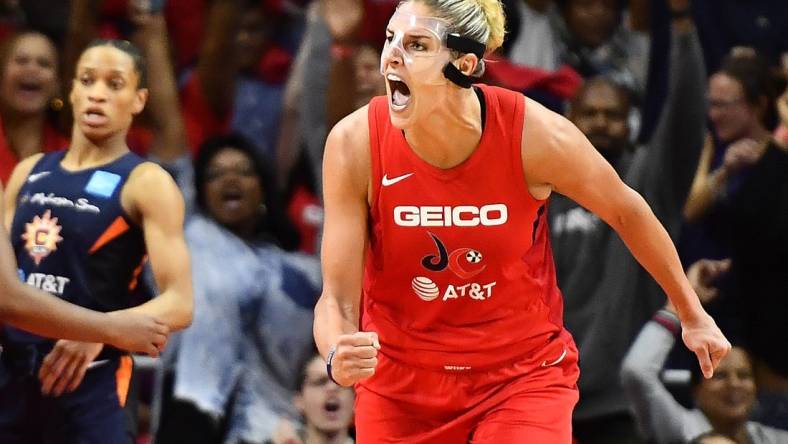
(354, 357)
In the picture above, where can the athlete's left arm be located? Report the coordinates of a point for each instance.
(558, 157)
(152, 198)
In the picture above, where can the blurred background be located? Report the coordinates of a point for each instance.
(685, 98)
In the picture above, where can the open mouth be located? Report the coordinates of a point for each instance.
(95, 116)
(400, 93)
(232, 198)
(332, 405)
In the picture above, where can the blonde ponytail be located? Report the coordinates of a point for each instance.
(479, 20)
(496, 22)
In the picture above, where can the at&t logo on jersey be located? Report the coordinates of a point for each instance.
(465, 263)
(428, 290)
(41, 236)
(447, 216)
(48, 282)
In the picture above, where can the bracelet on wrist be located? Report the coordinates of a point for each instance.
(669, 321)
(329, 359)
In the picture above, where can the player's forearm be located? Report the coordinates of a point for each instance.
(651, 245)
(174, 307)
(32, 310)
(331, 321)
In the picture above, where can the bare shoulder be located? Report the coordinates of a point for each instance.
(25, 165)
(19, 175)
(149, 186)
(150, 178)
(350, 136)
(347, 149)
(23, 168)
(551, 149)
(545, 131)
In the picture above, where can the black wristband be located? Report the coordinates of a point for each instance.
(680, 13)
(330, 358)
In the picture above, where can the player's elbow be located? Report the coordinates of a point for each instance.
(185, 315)
(181, 312)
(627, 211)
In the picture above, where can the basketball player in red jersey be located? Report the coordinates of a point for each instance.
(440, 300)
(37, 312)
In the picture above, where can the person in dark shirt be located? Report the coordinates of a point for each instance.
(82, 224)
(35, 311)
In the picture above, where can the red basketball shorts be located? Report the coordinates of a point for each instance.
(528, 401)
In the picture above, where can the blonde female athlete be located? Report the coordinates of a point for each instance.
(440, 300)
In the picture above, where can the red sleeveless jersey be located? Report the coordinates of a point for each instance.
(459, 274)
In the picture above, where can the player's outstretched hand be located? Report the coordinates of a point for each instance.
(355, 357)
(137, 332)
(702, 336)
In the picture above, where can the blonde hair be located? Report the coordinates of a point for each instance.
(480, 20)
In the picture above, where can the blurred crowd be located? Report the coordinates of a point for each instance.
(685, 98)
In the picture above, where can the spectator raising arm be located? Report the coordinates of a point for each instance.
(675, 147)
(163, 106)
(343, 18)
(218, 64)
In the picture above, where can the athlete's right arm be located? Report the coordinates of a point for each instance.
(43, 314)
(346, 184)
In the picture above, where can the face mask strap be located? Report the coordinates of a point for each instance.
(456, 76)
(466, 46)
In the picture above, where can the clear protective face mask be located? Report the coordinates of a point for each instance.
(420, 42)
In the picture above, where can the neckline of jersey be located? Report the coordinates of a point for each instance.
(64, 170)
(469, 162)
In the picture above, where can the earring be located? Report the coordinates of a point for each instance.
(263, 209)
(56, 104)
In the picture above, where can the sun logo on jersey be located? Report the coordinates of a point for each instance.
(41, 236)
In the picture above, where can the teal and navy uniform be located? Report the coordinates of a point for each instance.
(73, 239)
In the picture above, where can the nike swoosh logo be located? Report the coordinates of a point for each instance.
(560, 358)
(388, 182)
(34, 177)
